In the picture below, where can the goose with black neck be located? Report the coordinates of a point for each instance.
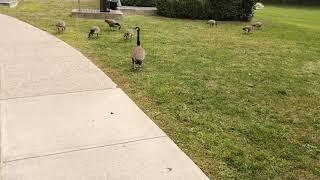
(138, 53)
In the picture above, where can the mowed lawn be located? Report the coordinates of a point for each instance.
(241, 106)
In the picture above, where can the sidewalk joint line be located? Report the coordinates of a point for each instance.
(54, 94)
(82, 149)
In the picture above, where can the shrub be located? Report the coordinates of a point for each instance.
(207, 9)
(164, 8)
(224, 9)
(143, 3)
(187, 9)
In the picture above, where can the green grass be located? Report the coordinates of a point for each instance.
(241, 106)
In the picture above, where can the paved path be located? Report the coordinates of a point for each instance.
(62, 118)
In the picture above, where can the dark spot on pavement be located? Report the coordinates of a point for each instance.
(169, 169)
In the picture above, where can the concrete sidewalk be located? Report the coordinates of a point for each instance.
(62, 118)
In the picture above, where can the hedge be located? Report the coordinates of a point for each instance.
(207, 9)
(143, 3)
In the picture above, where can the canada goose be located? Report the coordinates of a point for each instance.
(128, 34)
(94, 30)
(138, 53)
(247, 29)
(257, 25)
(112, 23)
(61, 25)
(212, 23)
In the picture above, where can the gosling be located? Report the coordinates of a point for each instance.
(257, 25)
(128, 34)
(61, 25)
(247, 29)
(212, 23)
(94, 30)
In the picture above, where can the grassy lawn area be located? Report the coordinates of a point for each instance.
(241, 106)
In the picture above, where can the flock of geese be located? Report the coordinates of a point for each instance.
(138, 53)
(246, 29)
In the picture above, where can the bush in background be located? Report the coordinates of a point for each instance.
(143, 3)
(187, 9)
(207, 9)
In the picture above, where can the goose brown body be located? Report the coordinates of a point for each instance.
(112, 23)
(61, 25)
(247, 29)
(257, 25)
(212, 23)
(138, 55)
(94, 30)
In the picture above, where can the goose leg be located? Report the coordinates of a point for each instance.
(133, 64)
